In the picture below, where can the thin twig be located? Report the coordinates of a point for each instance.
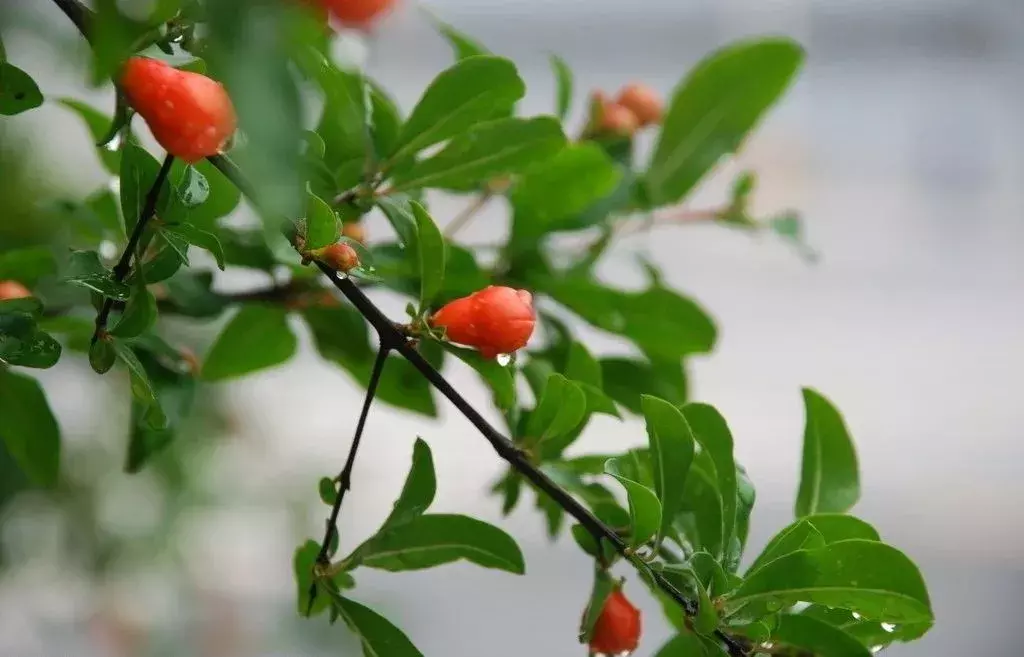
(79, 14)
(467, 215)
(345, 478)
(124, 265)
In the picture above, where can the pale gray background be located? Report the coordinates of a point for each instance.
(903, 146)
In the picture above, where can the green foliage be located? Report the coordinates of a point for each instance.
(689, 501)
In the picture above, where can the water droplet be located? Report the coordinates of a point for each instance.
(115, 185)
(856, 616)
(876, 649)
(114, 144)
(888, 627)
(107, 249)
(504, 359)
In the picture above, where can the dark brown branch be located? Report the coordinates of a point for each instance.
(124, 265)
(79, 14)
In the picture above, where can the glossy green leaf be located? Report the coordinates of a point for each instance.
(434, 540)
(801, 535)
(746, 495)
(97, 122)
(28, 428)
(870, 633)
(662, 323)
(21, 342)
(625, 380)
(322, 225)
(139, 313)
(706, 620)
(143, 391)
(419, 489)
(684, 644)
(704, 525)
(379, 636)
(672, 451)
(462, 45)
(490, 149)
(256, 338)
(560, 410)
(603, 587)
(713, 109)
(498, 378)
(873, 579)
(204, 194)
(644, 507)
(18, 91)
(195, 188)
(201, 238)
(432, 253)
(328, 490)
(473, 90)
(174, 385)
(713, 434)
(102, 356)
(561, 187)
(818, 637)
(836, 527)
(302, 564)
(27, 265)
(563, 86)
(397, 209)
(829, 480)
(86, 270)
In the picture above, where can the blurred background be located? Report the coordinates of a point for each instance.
(902, 145)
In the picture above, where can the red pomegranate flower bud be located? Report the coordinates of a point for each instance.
(642, 101)
(494, 320)
(617, 629)
(358, 13)
(13, 290)
(339, 256)
(190, 115)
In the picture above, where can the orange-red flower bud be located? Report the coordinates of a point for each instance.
(339, 256)
(13, 290)
(617, 629)
(494, 320)
(642, 101)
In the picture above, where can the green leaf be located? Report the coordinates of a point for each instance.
(746, 496)
(27, 265)
(143, 391)
(199, 237)
(870, 633)
(662, 323)
(462, 45)
(102, 356)
(195, 188)
(829, 480)
(561, 187)
(322, 225)
(245, 51)
(561, 408)
(644, 507)
(703, 501)
(419, 489)
(706, 620)
(714, 436)
(585, 371)
(256, 338)
(21, 343)
(497, 377)
(873, 579)
(836, 527)
(172, 381)
(139, 170)
(433, 540)
(563, 86)
(684, 644)
(801, 535)
(380, 638)
(139, 313)
(432, 255)
(18, 91)
(302, 564)
(328, 490)
(672, 451)
(397, 209)
(714, 108)
(473, 90)
(818, 637)
(86, 270)
(490, 149)
(29, 429)
(626, 380)
(603, 587)
(97, 123)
